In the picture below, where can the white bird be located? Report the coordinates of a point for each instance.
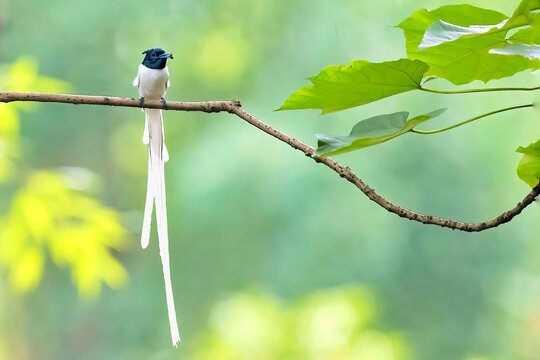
(153, 80)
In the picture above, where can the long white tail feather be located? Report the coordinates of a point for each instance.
(161, 217)
(165, 156)
(157, 155)
(149, 205)
(146, 133)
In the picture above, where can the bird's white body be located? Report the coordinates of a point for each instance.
(153, 84)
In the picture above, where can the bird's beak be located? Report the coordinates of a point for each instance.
(165, 55)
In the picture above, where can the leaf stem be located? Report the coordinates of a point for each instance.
(426, 132)
(477, 90)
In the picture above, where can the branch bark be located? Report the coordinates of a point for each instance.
(234, 107)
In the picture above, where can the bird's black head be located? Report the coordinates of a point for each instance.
(156, 58)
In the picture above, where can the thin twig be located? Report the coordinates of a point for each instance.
(234, 107)
(468, 91)
(428, 132)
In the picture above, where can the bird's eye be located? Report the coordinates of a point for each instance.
(153, 55)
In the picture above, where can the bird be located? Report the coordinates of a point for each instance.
(152, 81)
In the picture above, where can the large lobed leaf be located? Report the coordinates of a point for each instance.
(464, 15)
(372, 131)
(340, 87)
(455, 41)
(528, 168)
(441, 32)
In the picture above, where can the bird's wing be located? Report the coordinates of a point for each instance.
(146, 135)
(168, 83)
(136, 80)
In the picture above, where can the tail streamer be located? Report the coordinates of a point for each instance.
(157, 156)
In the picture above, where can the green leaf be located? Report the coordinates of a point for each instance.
(525, 7)
(529, 35)
(529, 51)
(524, 42)
(459, 57)
(528, 168)
(416, 25)
(372, 131)
(428, 79)
(340, 87)
(522, 15)
(440, 32)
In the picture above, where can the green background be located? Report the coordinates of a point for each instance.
(249, 216)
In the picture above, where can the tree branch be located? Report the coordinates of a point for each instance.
(205, 106)
(234, 107)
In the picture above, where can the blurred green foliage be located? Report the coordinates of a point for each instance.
(246, 211)
(22, 75)
(48, 213)
(328, 324)
(77, 231)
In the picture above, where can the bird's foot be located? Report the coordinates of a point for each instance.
(164, 102)
(141, 101)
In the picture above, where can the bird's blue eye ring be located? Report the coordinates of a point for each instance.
(153, 55)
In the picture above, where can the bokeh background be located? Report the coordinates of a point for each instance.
(272, 255)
